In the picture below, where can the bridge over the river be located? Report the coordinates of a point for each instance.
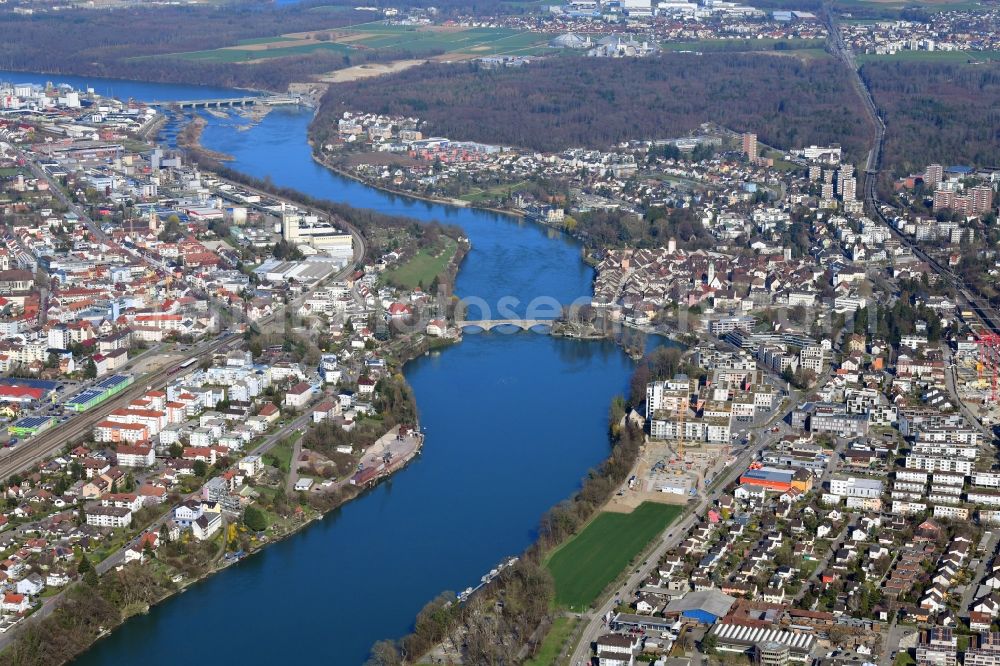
(228, 102)
(490, 324)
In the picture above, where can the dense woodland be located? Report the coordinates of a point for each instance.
(937, 112)
(96, 43)
(116, 43)
(89, 607)
(615, 228)
(563, 102)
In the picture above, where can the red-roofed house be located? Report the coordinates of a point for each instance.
(325, 410)
(270, 412)
(138, 550)
(14, 603)
(299, 395)
(135, 456)
(152, 494)
(204, 453)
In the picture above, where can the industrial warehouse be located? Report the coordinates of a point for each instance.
(103, 390)
(743, 638)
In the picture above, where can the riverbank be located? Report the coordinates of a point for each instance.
(189, 139)
(445, 201)
(311, 511)
(616, 332)
(385, 458)
(448, 544)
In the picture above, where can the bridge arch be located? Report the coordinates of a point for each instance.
(486, 325)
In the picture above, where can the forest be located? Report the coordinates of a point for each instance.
(558, 103)
(937, 113)
(118, 43)
(615, 228)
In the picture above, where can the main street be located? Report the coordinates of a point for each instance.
(675, 533)
(949, 374)
(672, 536)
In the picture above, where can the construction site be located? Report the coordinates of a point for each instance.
(976, 373)
(671, 472)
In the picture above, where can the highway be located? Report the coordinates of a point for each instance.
(980, 306)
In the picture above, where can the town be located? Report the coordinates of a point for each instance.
(138, 419)
(829, 446)
(798, 468)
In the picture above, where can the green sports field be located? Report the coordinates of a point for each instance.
(588, 562)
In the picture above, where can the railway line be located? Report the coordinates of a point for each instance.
(50, 442)
(974, 302)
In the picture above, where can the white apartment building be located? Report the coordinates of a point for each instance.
(939, 463)
(855, 487)
(109, 516)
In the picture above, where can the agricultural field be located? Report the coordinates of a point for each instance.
(447, 42)
(263, 50)
(959, 57)
(927, 5)
(587, 563)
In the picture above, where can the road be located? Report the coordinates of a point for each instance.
(949, 375)
(674, 534)
(976, 303)
(988, 550)
(895, 634)
(50, 442)
(835, 545)
(116, 558)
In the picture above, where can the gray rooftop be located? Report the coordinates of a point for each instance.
(712, 601)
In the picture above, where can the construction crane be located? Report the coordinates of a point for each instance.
(989, 359)
(682, 408)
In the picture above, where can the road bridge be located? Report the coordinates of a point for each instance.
(490, 324)
(229, 102)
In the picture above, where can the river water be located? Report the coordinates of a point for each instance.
(513, 423)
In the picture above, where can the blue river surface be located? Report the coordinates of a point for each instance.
(513, 423)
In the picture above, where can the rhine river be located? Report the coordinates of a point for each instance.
(513, 423)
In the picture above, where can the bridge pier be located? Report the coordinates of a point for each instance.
(487, 325)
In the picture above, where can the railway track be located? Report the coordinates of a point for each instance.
(50, 442)
(973, 301)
